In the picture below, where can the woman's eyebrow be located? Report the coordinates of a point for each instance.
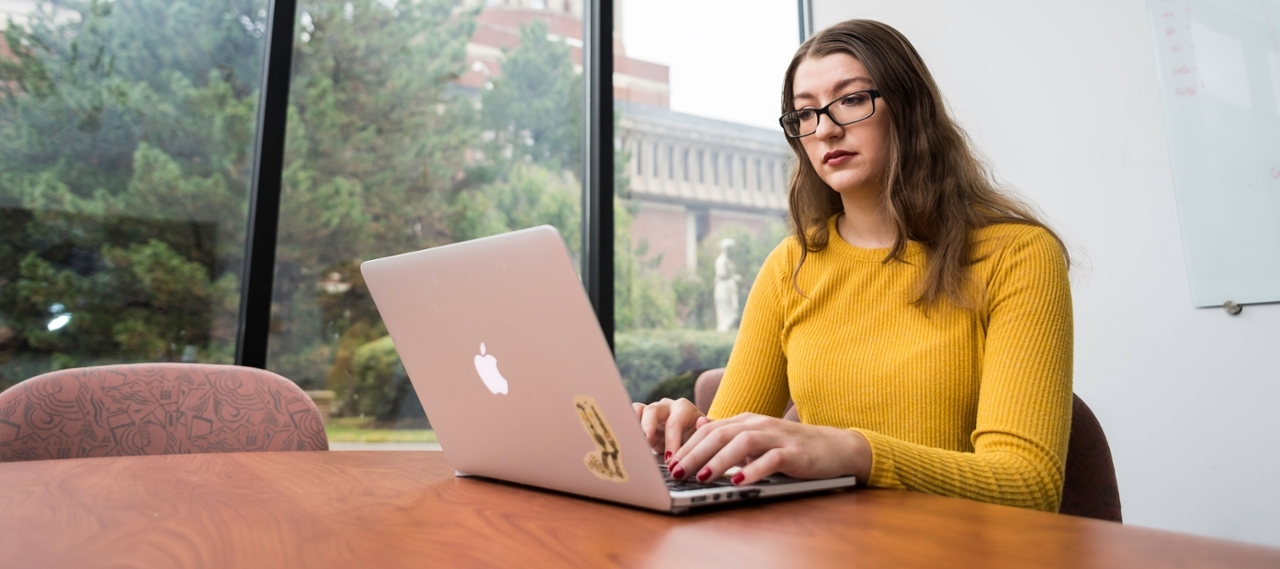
(839, 86)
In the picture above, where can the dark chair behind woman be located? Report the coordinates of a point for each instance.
(148, 409)
(1089, 489)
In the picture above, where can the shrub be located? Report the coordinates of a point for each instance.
(381, 384)
(678, 386)
(645, 357)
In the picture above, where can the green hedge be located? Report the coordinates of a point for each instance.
(381, 383)
(645, 358)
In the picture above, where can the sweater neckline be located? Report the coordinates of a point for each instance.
(843, 248)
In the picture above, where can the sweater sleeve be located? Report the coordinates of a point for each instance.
(755, 380)
(1024, 403)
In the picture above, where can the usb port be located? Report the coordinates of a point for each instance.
(698, 499)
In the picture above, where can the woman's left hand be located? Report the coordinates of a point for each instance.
(764, 445)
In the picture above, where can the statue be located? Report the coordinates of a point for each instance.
(726, 289)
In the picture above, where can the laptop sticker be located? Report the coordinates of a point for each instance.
(606, 461)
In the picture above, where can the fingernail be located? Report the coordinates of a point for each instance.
(668, 458)
(738, 478)
(677, 471)
(704, 474)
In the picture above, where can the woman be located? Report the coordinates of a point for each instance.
(919, 318)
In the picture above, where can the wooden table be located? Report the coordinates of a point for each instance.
(405, 509)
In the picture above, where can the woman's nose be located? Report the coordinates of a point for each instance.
(828, 128)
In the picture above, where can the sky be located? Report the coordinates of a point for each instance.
(727, 58)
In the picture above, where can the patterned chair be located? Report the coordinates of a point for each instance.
(147, 409)
(1089, 489)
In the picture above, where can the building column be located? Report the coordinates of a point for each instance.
(691, 241)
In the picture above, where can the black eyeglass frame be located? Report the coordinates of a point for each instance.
(873, 93)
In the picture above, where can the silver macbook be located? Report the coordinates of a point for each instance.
(503, 347)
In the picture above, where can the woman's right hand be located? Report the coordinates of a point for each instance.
(668, 424)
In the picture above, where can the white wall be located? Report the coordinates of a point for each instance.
(1062, 98)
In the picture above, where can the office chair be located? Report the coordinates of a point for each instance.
(1089, 488)
(157, 408)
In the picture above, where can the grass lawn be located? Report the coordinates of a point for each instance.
(353, 430)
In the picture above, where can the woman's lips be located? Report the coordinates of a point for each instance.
(836, 157)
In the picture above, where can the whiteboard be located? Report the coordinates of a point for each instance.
(1219, 68)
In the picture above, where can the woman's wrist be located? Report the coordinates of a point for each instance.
(856, 451)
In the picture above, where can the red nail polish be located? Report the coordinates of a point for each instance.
(738, 478)
(677, 471)
(704, 474)
(668, 457)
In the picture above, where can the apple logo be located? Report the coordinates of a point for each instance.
(487, 367)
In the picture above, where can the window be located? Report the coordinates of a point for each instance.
(125, 169)
(412, 125)
(702, 84)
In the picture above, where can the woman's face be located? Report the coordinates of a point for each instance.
(852, 158)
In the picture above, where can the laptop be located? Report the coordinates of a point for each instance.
(505, 352)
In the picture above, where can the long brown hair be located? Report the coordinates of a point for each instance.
(936, 190)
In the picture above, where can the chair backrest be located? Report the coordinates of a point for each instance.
(1089, 489)
(148, 409)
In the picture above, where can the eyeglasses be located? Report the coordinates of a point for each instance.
(849, 109)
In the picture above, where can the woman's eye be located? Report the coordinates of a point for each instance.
(804, 114)
(855, 100)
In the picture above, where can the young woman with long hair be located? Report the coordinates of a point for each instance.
(919, 317)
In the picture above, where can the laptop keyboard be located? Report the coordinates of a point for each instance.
(692, 483)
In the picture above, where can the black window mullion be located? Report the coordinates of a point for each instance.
(597, 205)
(264, 204)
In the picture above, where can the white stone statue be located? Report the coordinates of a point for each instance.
(726, 291)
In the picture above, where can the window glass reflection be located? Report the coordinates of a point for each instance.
(126, 142)
(412, 124)
(697, 125)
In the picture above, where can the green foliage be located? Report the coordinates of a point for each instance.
(678, 386)
(375, 158)
(126, 299)
(694, 294)
(125, 152)
(126, 138)
(535, 109)
(646, 357)
(381, 382)
(529, 195)
(642, 297)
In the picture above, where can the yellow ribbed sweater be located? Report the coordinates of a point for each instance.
(974, 403)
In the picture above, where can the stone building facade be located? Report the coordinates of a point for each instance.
(692, 175)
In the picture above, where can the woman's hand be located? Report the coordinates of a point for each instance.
(668, 424)
(764, 445)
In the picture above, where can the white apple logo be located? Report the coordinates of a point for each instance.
(487, 367)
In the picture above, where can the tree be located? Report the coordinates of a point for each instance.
(126, 133)
(534, 110)
(376, 153)
(126, 136)
(125, 148)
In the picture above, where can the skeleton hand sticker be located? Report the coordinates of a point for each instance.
(606, 461)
